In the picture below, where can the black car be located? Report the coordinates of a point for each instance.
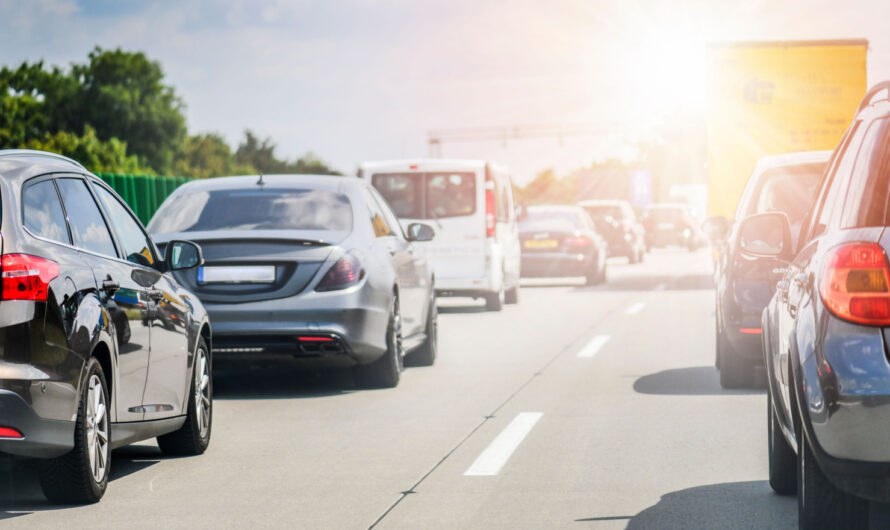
(670, 224)
(307, 266)
(99, 345)
(617, 222)
(826, 330)
(783, 183)
(561, 241)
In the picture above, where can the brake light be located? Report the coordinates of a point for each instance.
(9, 432)
(25, 277)
(577, 241)
(347, 272)
(855, 284)
(489, 213)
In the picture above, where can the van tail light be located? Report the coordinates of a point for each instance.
(25, 277)
(855, 284)
(348, 271)
(489, 213)
(577, 241)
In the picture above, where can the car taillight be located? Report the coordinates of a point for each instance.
(347, 272)
(25, 277)
(489, 213)
(9, 432)
(577, 241)
(855, 284)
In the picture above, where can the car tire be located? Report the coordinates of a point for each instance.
(194, 436)
(782, 460)
(426, 354)
(511, 296)
(735, 372)
(820, 504)
(386, 371)
(495, 301)
(79, 476)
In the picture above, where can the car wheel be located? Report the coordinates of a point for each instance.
(426, 354)
(194, 435)
(821, 505)
(386, 371)
(81, 476)
(735, 372)
(495, 301)
(782, 460)
(511, 296)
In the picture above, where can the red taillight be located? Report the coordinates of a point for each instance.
(751, 331)
(9, 432)
(855, 284)
(345, 273)
(25, 277)
(489, 213)
(316, 339)
(577, 241)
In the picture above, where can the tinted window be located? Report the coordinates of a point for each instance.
(834, 195)
(135, 245)
(605, 210)
(403, 192)
(788, 190)
(866, 197)
(87, 225)
(428, 195)
(538, 217)
(43, 214)
(254, 209)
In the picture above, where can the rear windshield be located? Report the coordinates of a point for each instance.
(789, 190)
(254, 209)
(605, 210)
(428, 195)
(538, 218)
(665, 215)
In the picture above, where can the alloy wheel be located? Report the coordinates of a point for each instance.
(202, 392)
(96, 419)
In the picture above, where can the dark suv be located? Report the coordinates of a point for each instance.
(617, 222)
(99, 345)
(826, 332)
(782, 183)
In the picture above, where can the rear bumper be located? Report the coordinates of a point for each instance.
(42, 438)
(355, 319)
(465, 286)
(545, 265)
(745, 337)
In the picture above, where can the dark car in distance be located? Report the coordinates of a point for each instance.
(617, 222)
(100, 346)
(670, 224)
(826, 331)
(313, 267)
(782, 183)
(561, 241)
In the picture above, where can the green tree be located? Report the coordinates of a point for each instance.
(207, 155)
(260, 154)
(95, 155)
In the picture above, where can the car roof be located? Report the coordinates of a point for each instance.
(556, 207)
(791, 159)
(323, 182)
(431, 164)
(20, 164)
(602, 202)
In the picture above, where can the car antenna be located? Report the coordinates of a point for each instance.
(260, 181)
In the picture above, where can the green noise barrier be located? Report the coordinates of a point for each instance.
(144, 193)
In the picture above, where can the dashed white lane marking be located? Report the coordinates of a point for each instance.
(634, 309)
(593, 347)
(493, 458)
(661, 287)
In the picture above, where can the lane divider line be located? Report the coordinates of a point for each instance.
(593, 347)
(634, 309)
(493, 458)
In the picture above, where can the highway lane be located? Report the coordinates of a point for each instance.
(580, 407)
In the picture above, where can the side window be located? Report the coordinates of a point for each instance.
(868, 185)
(504, 206)
(833, 196)
(42, 212)
(378, 221)
(87, 225)
(133, 241)
(392, 220)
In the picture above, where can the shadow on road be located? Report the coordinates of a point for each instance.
(691, 381)
(235, 379)
(730, 505)
(20, 492)
(468, 308)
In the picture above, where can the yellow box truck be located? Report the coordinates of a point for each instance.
(768, 98)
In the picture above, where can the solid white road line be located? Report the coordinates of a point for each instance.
(493, 458)
(593, 347)
(634, 309)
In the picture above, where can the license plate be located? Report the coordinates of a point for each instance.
(541, 243)
(249, 274)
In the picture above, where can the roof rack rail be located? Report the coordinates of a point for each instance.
(34, 152)
(874, 91)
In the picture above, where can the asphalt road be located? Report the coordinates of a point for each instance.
(581, 407)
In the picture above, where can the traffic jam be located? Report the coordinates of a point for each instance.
(440, 341)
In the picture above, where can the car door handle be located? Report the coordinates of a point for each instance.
(782, 287)
(156, 294)
(110, 286)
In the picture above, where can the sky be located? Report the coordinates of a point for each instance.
(355, 80)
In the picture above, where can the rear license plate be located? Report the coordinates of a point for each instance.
(541, 243)
(249, 274)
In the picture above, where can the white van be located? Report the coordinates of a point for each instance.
(470, 204)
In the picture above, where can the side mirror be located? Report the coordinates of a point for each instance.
(716, 228)
(766, 235)
(183, 255)
(420, 232)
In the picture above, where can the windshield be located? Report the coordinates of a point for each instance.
(428, 195)
(789, 190)
(254, 209)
